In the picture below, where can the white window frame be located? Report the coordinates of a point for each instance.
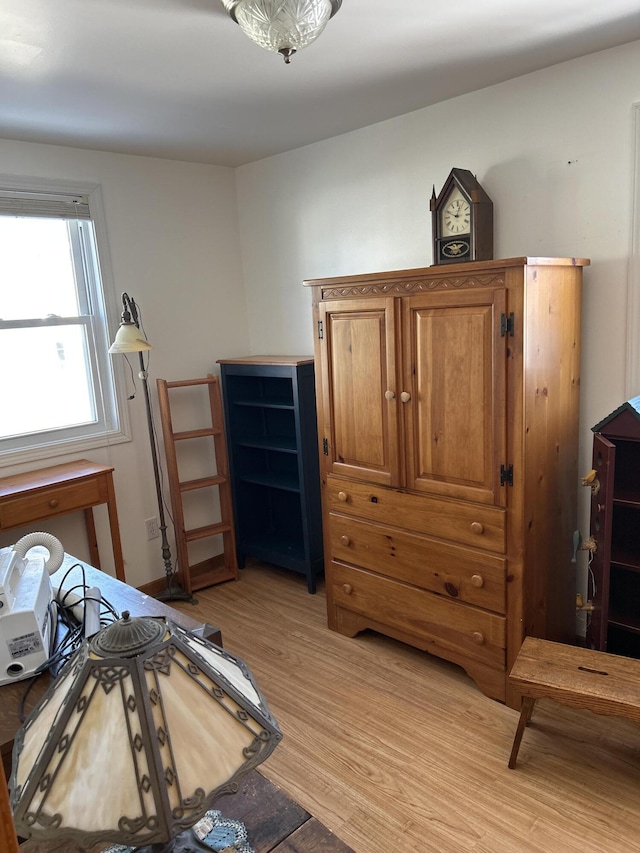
(113, 426)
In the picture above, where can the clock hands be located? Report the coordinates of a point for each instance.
(456, 216)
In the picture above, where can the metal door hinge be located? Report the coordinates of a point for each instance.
(506, 475)
(507, 325)
(325, 446)
(320, 330)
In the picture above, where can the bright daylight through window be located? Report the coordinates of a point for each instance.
(55, 377)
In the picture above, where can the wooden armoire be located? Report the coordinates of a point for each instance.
(448, 437)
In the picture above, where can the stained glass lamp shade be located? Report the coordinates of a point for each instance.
(144, 728)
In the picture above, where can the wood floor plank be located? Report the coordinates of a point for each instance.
(312, 837)
(392, 748)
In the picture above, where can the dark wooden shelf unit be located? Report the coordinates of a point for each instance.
(270, 417)
(614, 573)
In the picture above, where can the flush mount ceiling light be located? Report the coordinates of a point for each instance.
(283, 26)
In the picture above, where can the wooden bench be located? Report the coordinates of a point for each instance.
(581, 678)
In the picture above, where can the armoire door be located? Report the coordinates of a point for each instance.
(454, 368)
(359, 406)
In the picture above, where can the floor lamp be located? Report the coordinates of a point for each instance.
(130, 338)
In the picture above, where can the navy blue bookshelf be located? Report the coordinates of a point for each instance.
(270, 423)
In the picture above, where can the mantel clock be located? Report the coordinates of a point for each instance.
(462, 220)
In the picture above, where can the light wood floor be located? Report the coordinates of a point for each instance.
(396, 750)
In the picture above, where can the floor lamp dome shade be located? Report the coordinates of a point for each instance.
(129, 338)
(140, 733)
(282, 26)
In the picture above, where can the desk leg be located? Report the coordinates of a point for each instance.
(523, 722)
(8, 839)
(115, 530)
(90, 524)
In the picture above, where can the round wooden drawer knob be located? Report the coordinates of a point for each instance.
(405, 396)
(477, 527)
(389, 395)
(345, 540)
(342, 496)
(477, 581)
(347, 588)
(478, 637)
(53, 503)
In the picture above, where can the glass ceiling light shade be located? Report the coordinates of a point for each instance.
(282, 26)
(143, 729)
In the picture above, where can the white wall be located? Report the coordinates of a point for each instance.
(554, 151)
(174, 247)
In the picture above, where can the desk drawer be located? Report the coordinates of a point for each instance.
(466, 523)
(464, 630)
(55, 500)
(463, 574)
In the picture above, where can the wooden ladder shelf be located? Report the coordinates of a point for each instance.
(218, 568)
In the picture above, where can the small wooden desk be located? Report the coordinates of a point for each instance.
(122, 597)
(61, 489)
(571, 675)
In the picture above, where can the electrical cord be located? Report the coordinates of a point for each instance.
(67, 599)
(131, 396)
(61, 611)
(166, 506)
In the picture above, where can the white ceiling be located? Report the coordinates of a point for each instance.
(179, 79)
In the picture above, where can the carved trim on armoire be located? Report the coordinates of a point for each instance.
(417, 285)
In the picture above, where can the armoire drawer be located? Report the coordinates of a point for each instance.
(458, 521)
(459, 627)
(456, 572)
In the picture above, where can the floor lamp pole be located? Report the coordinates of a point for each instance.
(173, 592)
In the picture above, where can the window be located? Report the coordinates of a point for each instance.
(57, 385)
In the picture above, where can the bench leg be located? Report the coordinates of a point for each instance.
(523, 722)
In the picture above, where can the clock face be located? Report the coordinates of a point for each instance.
(456, 215)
